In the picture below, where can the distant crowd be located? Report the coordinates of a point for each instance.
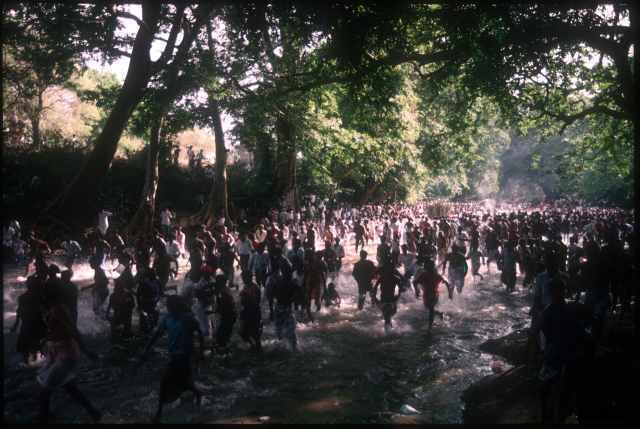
(577, 261)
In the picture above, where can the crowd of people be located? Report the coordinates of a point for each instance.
(576, 260)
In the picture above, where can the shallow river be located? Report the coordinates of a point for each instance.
(347, 368)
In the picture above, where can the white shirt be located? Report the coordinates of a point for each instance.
(261, 235)
(103, 221)
(165, 217)
(71, 246)
(173, 248)
(180, 237)
(15, 224)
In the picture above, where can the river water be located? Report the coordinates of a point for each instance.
(347, 369)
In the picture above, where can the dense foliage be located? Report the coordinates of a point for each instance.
(355, 101)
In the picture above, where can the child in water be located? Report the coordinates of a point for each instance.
(331, 296)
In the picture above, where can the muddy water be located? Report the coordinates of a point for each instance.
(347, 369)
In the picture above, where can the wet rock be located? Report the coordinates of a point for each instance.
(512, 347)
(408, 409)
(509, 397)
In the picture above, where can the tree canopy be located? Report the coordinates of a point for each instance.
(353, 100)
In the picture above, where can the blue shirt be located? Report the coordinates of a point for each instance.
(180, 331)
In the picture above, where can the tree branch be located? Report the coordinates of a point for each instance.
(570, 119)
(173, 35)
(129, 15)
(397, 58)
(121, 52)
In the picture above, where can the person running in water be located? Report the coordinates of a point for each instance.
(70, 292)
(331, 296)
(203, 293)
(251, 316)
(64, 344)
(508, 276)
(457, 269)
(180, 326)
(408, 260)
(389, 280)
(226, 308)
(364, 271)
(258, 265)
(37, 250)
(475, 254)
(359, 233)
(162, 266)
(72, 250)
(122, 301)
(100, 289)
(284, 292)
(29, 318)
(148, 295)
(429, 280)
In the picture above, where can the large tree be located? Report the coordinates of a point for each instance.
(176, 80)
(80, 196)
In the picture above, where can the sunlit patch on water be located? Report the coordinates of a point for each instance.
(324, 405)
(494, 308)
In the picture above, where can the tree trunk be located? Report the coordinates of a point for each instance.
(263, 159)
(36, 139)
(142, 221)
(80, 196)
(633, 97)
(636, 213)
(35, 121)
(368, 193)
(218, 200)
(286, 162)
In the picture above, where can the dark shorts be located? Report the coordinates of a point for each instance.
(430, 299)
(251, 328)
(225, 329)
(363, 288)
(388, 308)
(177, 378)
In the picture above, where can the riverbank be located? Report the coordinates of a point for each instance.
(608, 394)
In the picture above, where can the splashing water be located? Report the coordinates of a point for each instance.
(347, 368)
